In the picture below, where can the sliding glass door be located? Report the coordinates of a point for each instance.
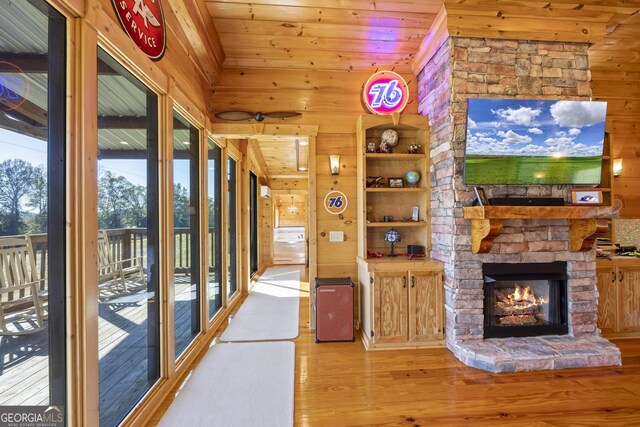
(128, 337)
(253, 232)
(33, 95)
(232, 212)
(214, 175)
(186, 217)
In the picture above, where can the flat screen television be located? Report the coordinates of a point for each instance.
(515, 141)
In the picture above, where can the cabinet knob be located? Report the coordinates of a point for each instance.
(413, 281)
(404, 281)
(613, 276)
(621, 276)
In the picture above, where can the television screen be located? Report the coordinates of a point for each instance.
(514, 141)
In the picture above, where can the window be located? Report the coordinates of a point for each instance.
(186, 217)
(215, 228)
(32, 204)
(253, 246)
(232, 274)
(128, 209)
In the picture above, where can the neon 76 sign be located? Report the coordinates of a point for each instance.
(385, 93)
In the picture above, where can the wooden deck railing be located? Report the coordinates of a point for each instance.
(127, 243)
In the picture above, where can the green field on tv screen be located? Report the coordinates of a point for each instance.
(481, 169)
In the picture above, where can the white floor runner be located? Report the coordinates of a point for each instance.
(270, 312)
(243, 384)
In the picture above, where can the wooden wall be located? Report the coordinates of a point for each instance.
(621, 89)
(284, 218)
(331, 100)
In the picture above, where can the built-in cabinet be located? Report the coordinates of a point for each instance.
(401, 299)
(619, 296)
(401, 303)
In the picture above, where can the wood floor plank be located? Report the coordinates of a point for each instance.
(341, 384)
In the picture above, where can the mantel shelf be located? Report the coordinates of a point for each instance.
(585, 222)
(540, 212)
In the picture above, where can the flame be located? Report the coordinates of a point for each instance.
(522, 298)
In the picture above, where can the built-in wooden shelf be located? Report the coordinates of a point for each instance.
(396, 190)
(395, 156)
(585, 222)
(398, 224)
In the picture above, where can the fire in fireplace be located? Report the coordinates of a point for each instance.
(520, 307)
(525, 299)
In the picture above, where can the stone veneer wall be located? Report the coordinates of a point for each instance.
(489, 68)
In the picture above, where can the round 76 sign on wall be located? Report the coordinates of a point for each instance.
(385, 93)
(335, 202)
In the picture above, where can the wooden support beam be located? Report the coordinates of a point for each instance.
(583, 233)
(483, 231)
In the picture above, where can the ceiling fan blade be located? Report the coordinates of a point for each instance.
(281, 114)
(235, 115)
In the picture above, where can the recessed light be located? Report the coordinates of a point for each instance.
(302, 169)
(304, 142)
(124, 143)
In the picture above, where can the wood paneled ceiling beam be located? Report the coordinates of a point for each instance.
(257, 152)
(200, 31)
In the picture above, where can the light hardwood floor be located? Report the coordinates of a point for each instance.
(340, 384)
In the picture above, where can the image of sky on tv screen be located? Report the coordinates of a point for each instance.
(511, 141)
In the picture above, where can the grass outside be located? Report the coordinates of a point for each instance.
(531, 170)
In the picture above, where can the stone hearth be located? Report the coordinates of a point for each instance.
(538, 353)
(465, 68)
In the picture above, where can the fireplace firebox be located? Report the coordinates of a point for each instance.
(527, 299)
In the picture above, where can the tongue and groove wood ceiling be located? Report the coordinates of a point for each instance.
(351, 35)
(340, 35)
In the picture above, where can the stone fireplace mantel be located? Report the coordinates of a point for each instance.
(584, 222)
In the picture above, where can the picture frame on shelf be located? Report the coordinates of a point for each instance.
(396, 182)
(415, 211)
(586, 197)
(481, 197)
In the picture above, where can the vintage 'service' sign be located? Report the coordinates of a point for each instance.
(385, 93)
(143, 21)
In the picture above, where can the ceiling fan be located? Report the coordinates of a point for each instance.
(259, 116)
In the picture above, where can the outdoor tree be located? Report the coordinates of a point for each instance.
(16, 182)
(114, 200)
(37, 200)
(180, 206)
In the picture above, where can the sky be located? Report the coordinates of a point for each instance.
(17, 146)
(514, 127)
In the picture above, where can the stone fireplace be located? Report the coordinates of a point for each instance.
(525, 299)
(464, 68)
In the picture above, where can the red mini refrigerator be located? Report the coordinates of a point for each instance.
(334, 309)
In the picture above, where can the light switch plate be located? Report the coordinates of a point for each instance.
(336, 236)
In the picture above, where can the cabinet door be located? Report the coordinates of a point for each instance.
(629, 299)
(390, 307)
(426, 320)
(607, 298)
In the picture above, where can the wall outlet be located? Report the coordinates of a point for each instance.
(336, 236)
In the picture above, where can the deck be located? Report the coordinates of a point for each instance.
(122, 349)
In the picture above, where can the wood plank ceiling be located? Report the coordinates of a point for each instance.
(339, 35)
